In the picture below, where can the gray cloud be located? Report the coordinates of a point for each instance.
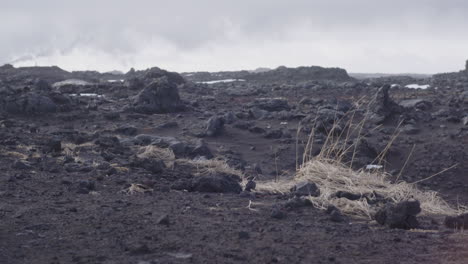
(360, 35)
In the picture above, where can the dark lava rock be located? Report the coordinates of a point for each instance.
(382, 106)
(348, 195)
(306, 189)
(168, 125)
(53, 145)
(216, 184)
(127, 130)
(337, 216)
(457, 222)
(274, 134)
(272, 104)
(229, 118)
(298, 74)
(401, 215)
(107, 142)
(155, 73)
(160, 96)
(214, 126)
(42, 86)
(111, 116)
(278, 212)
(30, 103)
(251, 185)
(416, 104)
(140, 250)
(326, 119)
(200, 149)
(181, 185)
(85, 186)
(410, 129)
(151, 165)
(297, 202)
(163, 220)
(19, 165)
(257, 130)
(244, 235)
(244, 125)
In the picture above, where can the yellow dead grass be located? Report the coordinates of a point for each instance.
(331, 174)
(155, 152)
(212, 167)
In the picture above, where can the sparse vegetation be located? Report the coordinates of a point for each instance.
(155, 152)
(206, 167)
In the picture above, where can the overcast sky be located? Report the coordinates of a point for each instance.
(417, 36)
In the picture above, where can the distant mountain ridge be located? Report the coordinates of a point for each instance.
(282, 73)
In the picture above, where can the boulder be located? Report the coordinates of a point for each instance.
(272, 104)
(214, 126)
(30, 103)
(306, 189)
(42, 86)
(457, 222)
(401, 215)
(410, 129)
(151, 165)
(216, 184)
(200, 149)
(381, 106)
(160, 96)
(420, 104)
(251, 185)
(154, 73)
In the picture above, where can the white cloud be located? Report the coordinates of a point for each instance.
(361, 36)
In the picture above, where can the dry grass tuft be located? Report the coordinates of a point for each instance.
(119, 168)
(332, 177)
(136, 188)
(331, 173)
(155, 152)
(211, 167)
(15, 154)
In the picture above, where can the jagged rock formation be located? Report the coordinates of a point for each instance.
(50, 74)
(160, 96)
(151, 74)
(30, 103)
(382, 106)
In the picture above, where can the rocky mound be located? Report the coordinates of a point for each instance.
(29, 103)
(49, 74)
(151, 74)
(160, 96)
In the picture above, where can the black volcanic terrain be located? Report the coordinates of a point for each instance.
(285, 165)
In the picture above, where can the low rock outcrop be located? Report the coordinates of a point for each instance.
(160, 96)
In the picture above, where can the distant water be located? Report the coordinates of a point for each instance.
(418, 86)
(87, 95)
(223, 81)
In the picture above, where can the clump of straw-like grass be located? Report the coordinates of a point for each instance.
(136, 188)
(330, 171)
(155, 152)
(211, 167)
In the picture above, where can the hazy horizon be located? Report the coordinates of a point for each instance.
(363, 36)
